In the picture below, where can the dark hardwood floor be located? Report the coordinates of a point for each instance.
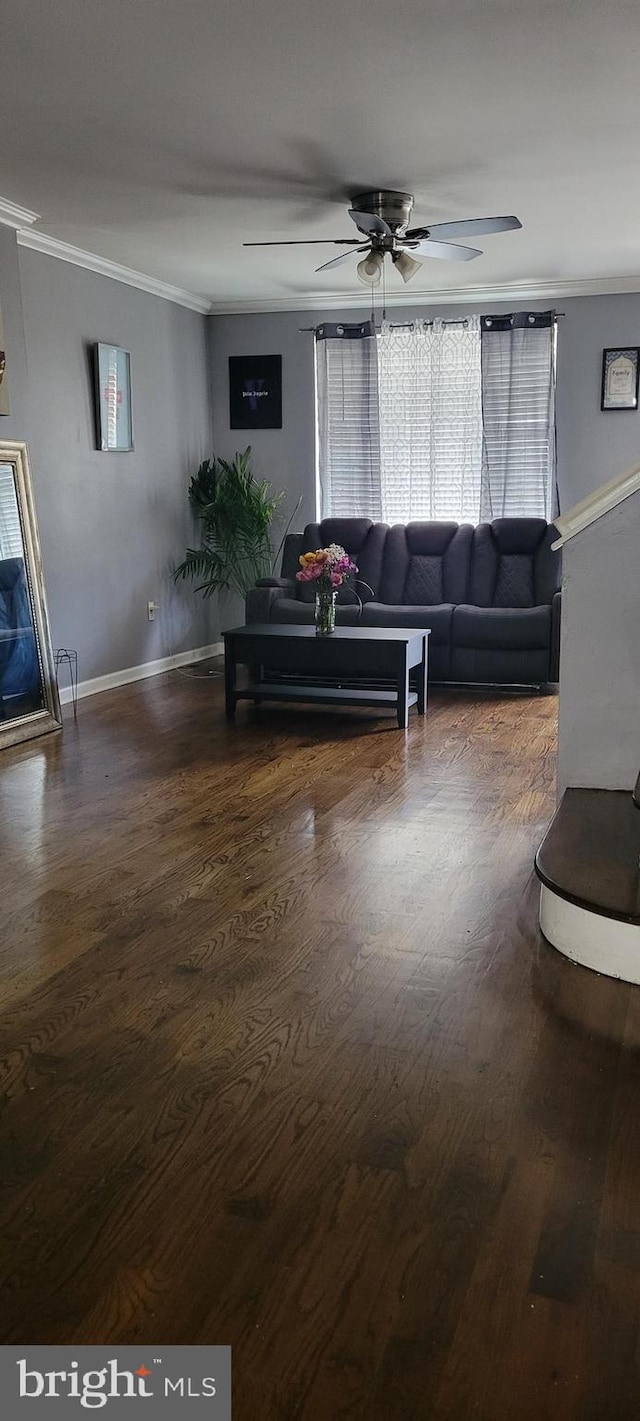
(286, 1064)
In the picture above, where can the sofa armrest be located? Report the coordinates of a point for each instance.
(287, 584)
(556, 609)
(260, 599)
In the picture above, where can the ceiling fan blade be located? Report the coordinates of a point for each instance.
(370, 224)
(448, 251)
(335, 261)
(469, 227)
(310, 242)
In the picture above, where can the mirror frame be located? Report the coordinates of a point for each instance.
(40, 722)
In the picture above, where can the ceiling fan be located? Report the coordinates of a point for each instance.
(383, 218)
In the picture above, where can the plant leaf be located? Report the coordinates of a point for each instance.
(236, 513)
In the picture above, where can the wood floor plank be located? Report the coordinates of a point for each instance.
(285, 1063)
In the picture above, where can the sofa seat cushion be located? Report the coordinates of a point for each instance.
(289, 609)
(390, 614)
(502, 628)
(7, 615)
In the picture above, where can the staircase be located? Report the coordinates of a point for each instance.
(588, 866)
(588, 863)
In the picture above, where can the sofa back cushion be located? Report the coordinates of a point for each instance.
(512, 563)
(14, 598)
(292, 548)
(426, 564)
(19, 666)
(363, 540)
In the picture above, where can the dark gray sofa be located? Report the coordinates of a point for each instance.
(19, 665)
(490, 595)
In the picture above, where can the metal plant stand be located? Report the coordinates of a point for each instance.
(65, 657)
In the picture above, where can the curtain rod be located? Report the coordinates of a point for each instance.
(406, 325)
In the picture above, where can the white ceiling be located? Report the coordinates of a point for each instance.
(160, 133)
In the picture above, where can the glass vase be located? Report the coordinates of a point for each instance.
(325, 613)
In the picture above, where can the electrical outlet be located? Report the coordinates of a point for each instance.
(151, 611)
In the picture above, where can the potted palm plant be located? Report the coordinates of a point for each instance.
(235, 512)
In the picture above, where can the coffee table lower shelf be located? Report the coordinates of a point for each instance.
(323, 695)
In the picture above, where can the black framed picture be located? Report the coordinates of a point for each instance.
(620, 378)
(255, 391)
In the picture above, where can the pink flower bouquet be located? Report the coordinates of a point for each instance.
(327, 567)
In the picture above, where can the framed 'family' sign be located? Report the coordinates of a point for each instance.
(255, 391)
(113, 399)
(620, 378)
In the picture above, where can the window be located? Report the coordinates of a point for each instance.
(437, 420)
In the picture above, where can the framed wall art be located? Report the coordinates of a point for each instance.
(255, 391)
(620, 378)
(113, 399)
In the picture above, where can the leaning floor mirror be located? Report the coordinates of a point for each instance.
(29, 702)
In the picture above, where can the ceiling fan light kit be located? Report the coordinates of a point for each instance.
(383, 218)
(369, 270)
(406, 265)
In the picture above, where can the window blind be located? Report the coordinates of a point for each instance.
(518, 404)
(10, 530)
(348, 421)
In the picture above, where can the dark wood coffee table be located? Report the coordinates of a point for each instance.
(328, 670)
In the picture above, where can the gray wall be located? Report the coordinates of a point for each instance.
(13, 426)
(111, 525)
(599, 730)
(592, 446)
(284, 456)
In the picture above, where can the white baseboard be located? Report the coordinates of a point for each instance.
(140, 673)
(606, 945)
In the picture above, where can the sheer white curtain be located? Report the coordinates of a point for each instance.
(430, 394)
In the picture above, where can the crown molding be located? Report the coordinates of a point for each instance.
(22, 220)
(453, 296)
(102, 266)
(11, 215)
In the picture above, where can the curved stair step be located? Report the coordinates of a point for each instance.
(588, 865)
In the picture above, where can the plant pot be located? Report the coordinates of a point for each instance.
(325, 613)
